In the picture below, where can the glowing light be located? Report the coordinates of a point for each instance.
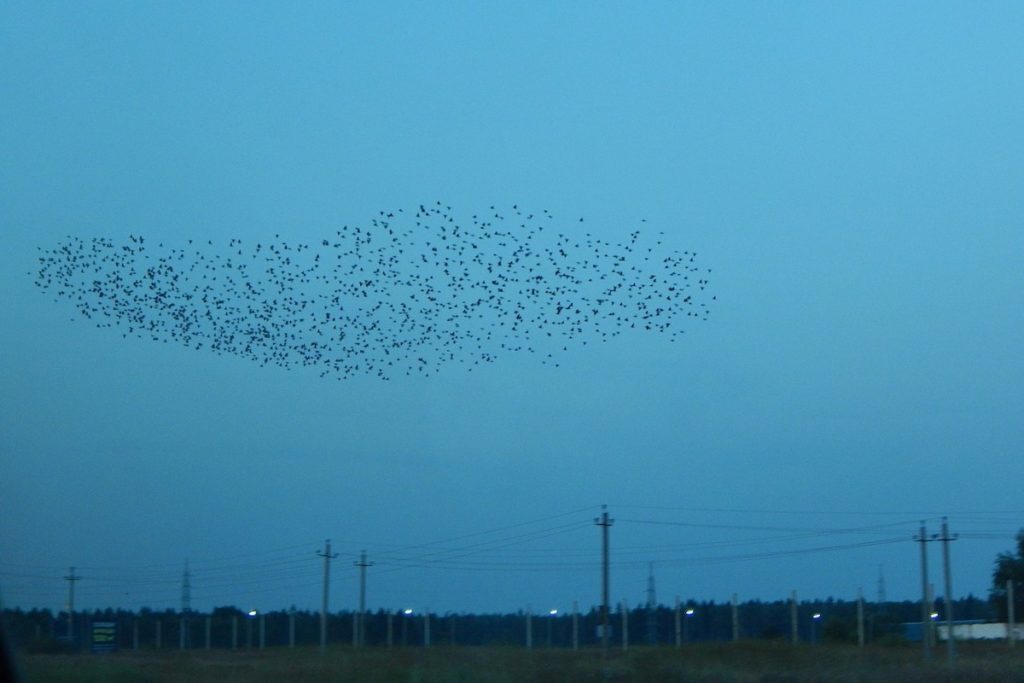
(689, 612)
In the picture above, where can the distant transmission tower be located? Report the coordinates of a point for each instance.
(881, 586)
(652, 607)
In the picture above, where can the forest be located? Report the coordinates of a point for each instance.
(41, 630)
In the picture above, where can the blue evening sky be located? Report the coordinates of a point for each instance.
(851, 172)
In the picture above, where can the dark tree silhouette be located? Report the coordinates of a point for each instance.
(1009, 566)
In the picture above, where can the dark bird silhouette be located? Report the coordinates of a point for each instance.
(412, 290)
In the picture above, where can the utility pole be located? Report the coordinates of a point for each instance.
(860, 617)
(361, 623)
(1010, 632)
(794, 625)
(186, 608)
(926, 617)
(575, 625)
(529, 629)
(605, 523)
(735, 617)
(950, 641)
(931, 611)
(625, 625)
(326, 554)
(71, 578)
(679, 624)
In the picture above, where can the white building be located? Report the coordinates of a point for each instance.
(979, 631)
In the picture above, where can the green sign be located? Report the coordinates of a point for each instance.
(104, 636)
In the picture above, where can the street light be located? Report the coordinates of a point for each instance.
(686, 625)
(815, 618)
(551, 617)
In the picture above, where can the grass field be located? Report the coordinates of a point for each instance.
(745, 662)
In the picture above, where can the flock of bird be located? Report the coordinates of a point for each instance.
(410, 293)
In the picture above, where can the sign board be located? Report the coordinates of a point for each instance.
(104, 636)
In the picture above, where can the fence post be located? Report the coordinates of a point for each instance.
(735, 618)
(625, 625)
(794, 618)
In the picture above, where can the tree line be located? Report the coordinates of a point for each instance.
(44, 630)
(230, 627)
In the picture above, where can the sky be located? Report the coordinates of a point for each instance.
(851, 173)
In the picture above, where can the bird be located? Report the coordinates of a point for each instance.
(410, 291)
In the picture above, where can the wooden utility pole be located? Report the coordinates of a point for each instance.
(605, 523)
(1010, 632)
(735, 618)
(860, 617)
(326, 554)
(529, 629)
(950, 640)
(575, 625)
(625, 625)
(931, 610)
(361, 622)
(794, 624)
(679, 623)
(926, 617)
